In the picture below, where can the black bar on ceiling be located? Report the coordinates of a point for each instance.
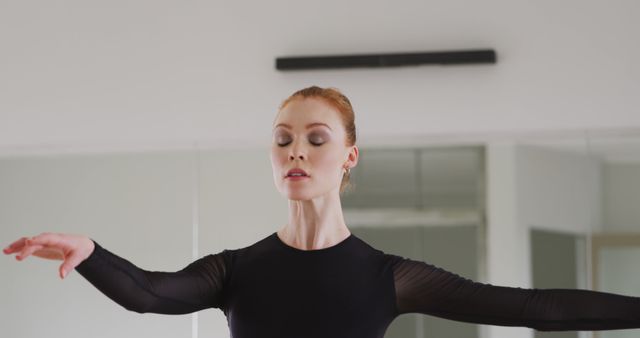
(386, 60)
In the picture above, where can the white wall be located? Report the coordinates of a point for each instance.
(89, 74)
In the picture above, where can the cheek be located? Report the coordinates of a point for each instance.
(277, 159)
(277, 153)
(329, 162)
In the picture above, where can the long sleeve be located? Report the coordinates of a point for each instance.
(425, 288)
(198, 286)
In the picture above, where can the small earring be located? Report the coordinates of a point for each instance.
(347, 171)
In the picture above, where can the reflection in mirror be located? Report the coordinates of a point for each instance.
(424, 204)
(558, 261)
(616, 249)
(596, 176)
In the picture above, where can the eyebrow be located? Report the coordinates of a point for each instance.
(308, 125)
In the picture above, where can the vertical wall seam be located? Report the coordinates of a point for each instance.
(195, 221)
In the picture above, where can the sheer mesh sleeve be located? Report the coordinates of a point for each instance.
(427, 289)
(198, 286)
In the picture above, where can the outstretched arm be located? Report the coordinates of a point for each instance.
(198, 286)
(425, 288)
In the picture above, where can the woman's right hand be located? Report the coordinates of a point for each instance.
(71, 249)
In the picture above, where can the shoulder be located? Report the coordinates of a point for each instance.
(387, 259)
(223, 262)
(231, 255)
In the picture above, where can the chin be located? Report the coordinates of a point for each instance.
(300, 193)
(297, 196)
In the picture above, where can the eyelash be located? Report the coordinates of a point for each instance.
(314, 144)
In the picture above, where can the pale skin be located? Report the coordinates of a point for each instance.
(315, 218)
(315, 212)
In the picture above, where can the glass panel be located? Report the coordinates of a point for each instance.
(455, 249)
(618, 273)
(446, 177)
(384, 178)
(616, 246)
(555, 259)
(411, 179)
(451, 177)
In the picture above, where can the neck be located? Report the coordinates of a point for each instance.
(315, 224)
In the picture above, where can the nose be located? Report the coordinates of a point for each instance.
(293, 157)
(296, 152)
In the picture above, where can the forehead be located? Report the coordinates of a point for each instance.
(301, 112)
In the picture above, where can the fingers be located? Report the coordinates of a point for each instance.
(48, 245)
(52, 246)
(15, 246)
(27, 245)
(46, 239)
(28, 250)
(69, 264)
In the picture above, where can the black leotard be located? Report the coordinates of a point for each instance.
(350, 290)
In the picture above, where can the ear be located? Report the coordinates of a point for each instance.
(354, 155)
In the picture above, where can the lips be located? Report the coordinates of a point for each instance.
(296, 171)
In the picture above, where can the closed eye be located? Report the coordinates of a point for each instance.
(314, 140)
(286, 144)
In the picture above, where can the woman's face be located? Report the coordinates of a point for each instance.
(308, 134)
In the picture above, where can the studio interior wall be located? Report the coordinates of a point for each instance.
(87, 75)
